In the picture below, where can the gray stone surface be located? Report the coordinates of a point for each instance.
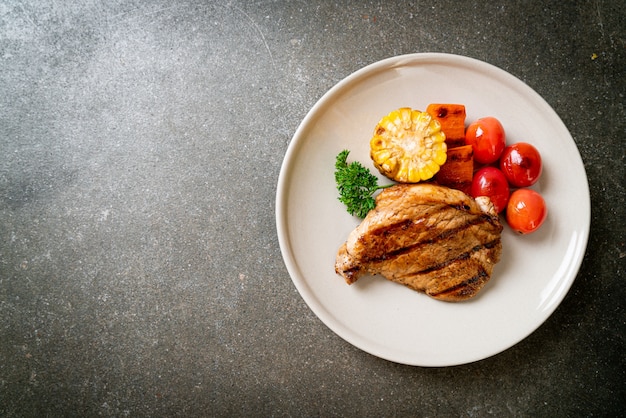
(140, 146)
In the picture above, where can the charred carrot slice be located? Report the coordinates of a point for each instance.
(458, 169)
(451, 117)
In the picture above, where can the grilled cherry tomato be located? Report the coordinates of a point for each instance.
(491, 182)
(487, 138)
(521, 164)
(526, 211)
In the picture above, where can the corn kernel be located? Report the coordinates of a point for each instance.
(408, 146)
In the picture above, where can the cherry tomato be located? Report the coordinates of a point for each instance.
(490, 182)
(526, 211)
(487, 138)
(521, 164)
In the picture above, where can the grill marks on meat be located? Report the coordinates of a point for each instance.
(430, 238)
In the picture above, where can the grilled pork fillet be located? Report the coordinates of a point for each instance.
(430, 238)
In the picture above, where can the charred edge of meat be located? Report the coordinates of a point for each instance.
(405, 224)
(461, 257)
(351, 274)
(392, 229)
(443, 235)
(466, 287)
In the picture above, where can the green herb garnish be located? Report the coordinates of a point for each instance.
(356, 185)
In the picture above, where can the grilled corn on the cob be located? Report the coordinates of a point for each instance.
(408, 146)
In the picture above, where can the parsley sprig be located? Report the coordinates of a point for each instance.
(356, 185)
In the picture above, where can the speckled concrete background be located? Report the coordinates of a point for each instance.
(140, 145)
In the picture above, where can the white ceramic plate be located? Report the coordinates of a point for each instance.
(386, 319)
